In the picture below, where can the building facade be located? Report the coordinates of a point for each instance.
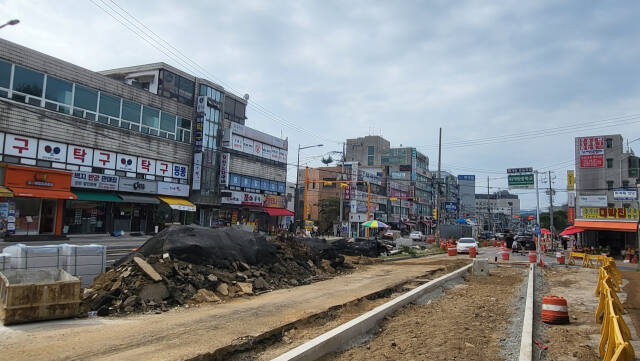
(497, 211)
(606, 173)
(85, 153)
(467, 187)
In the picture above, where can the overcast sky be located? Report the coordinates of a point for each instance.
(511, 83)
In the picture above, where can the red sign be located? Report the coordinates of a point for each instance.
(591, 143)
(571, 215)
(592, 161)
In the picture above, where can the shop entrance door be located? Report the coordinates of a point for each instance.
(48, 216)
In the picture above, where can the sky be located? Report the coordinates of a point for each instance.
(510, 83)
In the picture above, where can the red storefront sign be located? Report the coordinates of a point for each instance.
(571, 215)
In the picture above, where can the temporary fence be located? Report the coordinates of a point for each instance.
(85, 262)
(615, 335)
(587, 260)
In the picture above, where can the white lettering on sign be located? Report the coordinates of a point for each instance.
(52, 151)
(104, 159)
(20, 146)
(79, 155)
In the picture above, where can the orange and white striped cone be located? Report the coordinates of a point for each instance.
(554, 310)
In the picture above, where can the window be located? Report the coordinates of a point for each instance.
(5, 74)
(131, 111)
(168, 122)
(85, 98)
(610, 185)
(625, 184)
(610, 205)
(150, 117)
(609, 163)
(609, 143)
(109, 105)
(58, 90)
(27, 81)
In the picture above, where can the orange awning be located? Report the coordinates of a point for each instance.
(41, 193)
(607, 226)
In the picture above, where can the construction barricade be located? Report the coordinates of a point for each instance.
(615, 335)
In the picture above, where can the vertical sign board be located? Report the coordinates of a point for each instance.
(224, 169)
(591, 150)
(198, 134)
(571, 180)
(197, 171)
(571, 215)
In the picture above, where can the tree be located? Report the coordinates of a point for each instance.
(328, 160)
(328, 214)
(560, 220)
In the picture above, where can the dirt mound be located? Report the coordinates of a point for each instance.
(360, 247)
(187, 264)
(218, 247)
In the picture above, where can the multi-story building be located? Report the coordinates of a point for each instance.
(449, 198)
(606, 192)
(85, 153)
(366, 150)
(497, 209)
(467, 186)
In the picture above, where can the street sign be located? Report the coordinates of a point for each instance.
(537, 230)
(451, 206)
(521, 181)
(519, 170)
(624, 194)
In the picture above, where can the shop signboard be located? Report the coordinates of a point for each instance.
(237, 143)
(266, 151)
(180, 171)
(235, 180)
(282, 187)
(398, 175)
(20, 146)
(592, 201)
(275, 154)
(591, 150)
(224, 168)
(361, 208)
(609, 213)
(282, 156)
(273, 186)
(255, 183)
(80, 155)
(198, 134)
(257, 149)
(371, 175)
(624, 194)
(469, 178)
(11, 217)
(246, 182)
(52, 151)
(451, 206)
(1, 142)
(571, 199)
(271, 201)
(137, 185)
(164, 169)
(197, 171)
(146, 166)
(94, 181)
(104, 159)
(201, 105)
(173, 189)
(571, 180)
(571, 215)
(264, 184)
(244, 198)
(127, 163)
(247, 146)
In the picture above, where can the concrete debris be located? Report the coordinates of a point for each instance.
(204, 295)
(223, 289)
(246, 288)
(212, 278)
(147, 269)
(260, 284)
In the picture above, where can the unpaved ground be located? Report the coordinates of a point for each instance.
(632, 304)
(186, 333)
(468, 323)
(574, 341)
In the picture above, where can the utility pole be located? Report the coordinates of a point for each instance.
(341, 190)
(537, 201)
(488, 207)
(550, 206)
(438, 215)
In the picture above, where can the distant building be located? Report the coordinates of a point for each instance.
(497, 209)
(467, 187)
(366, 150)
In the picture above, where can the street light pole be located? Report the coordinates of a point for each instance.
(10, 22)
(297, 195)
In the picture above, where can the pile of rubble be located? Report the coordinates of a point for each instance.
(177, 268)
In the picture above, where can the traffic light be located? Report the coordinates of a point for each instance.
(361, 183)
(411, 199)
(435, 214)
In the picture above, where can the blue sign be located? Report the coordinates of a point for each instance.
(255, 183)
(537, 230)
(451, 206)
(235, 180)
(282, 187)
(264, 184)
(469, 177)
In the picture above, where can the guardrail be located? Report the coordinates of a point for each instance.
(615, 335)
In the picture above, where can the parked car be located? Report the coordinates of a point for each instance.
(464, 244)
(391, 234)
(417, 236)
(522, 244)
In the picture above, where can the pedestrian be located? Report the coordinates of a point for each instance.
(564, 243)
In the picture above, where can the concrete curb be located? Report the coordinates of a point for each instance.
(526, 340)
(341, 336)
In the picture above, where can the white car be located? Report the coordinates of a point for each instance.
(464, 244)
(417, 236)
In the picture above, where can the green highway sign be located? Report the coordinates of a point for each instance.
(521, 180)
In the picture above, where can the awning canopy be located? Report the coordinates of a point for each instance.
(571, 230)
(279, 212)
(129, 198)
(179, 204)
(5, 192)
(41, 193)
(607, 225)
(96, 196)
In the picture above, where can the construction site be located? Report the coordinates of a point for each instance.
(195, 293)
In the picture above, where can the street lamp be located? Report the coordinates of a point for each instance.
(10, 22)
(297, 196)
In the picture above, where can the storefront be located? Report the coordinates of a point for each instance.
(609, 229)
(91, 213)
(262, 212)
(38, 199)
(275, 207)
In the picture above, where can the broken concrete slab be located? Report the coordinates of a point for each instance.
(223, 289)
(204, 295)
(155, 292)
(150, 271)
(246, 288)
(260, 284)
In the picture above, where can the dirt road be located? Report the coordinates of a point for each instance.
(632, 304)
(469, 323)
(185, 333)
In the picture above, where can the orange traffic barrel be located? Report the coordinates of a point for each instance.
(560, 257)
(485, 243)
(452, 250)
(472, 252)
(504, 252)
(493, 243)
(532, 257)
(554, 310)
(443, 245)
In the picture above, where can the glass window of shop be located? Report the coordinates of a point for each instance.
(59, 90)
(85, 98)
(5, 74)
(150, 119)
(28, 81)
(27, 215)
(176, 87)
(84, 217)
